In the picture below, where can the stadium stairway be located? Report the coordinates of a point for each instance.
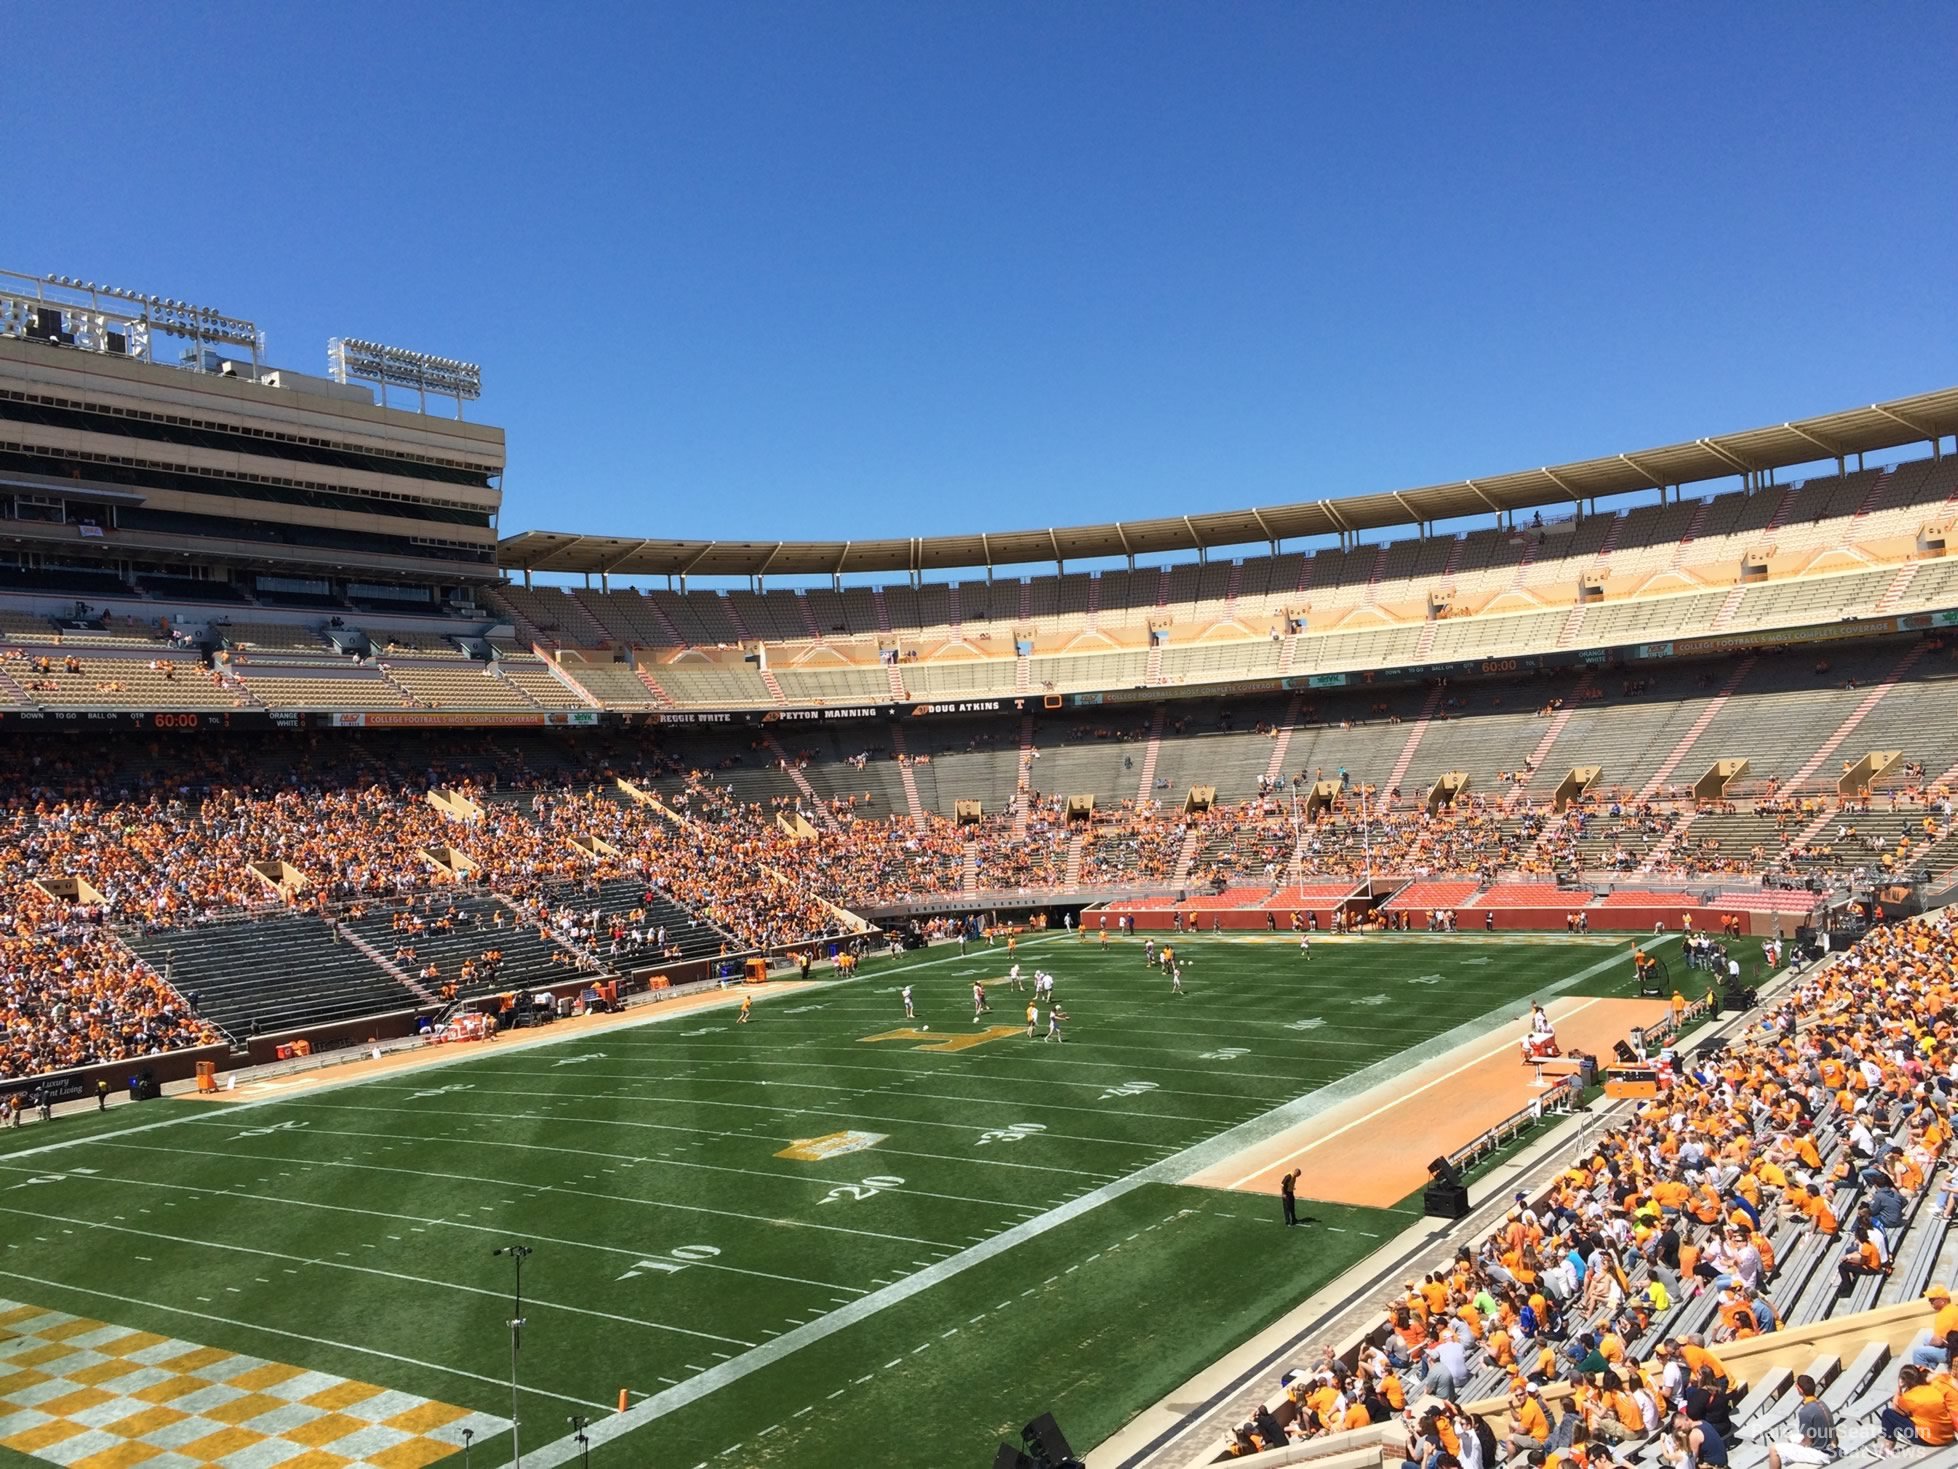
(1413, 741)
(653, 686)
(1146, 779)
(1666, 846)
(1857, 715)
(381, 960)
(1023, 790)
(1686, 742)
(272, 974)
(1536, 757)
(818, 807)
(1186, 855)
(1275, 766)
(906, 777)
(1894, 592)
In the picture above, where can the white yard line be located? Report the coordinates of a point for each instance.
(287, 1201)
(613, 1096)
(334, 1264)
(814, 1180)
(504, 1185)
(819, 1113)
(1189, 1161)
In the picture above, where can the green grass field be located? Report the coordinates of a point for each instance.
(1014, 1240)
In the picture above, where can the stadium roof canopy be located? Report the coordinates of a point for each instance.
(1924, 417)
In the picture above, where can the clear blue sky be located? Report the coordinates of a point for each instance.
(815, 270)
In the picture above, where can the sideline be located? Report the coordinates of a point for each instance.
(1173, 1169)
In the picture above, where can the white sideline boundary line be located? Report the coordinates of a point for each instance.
(1385, 1107)
(1169, 1170)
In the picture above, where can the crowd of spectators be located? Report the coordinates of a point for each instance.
(1830, 1117)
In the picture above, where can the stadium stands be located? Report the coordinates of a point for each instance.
(1790, 1179)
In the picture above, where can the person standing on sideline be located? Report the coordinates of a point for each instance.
(1288, 1187)
(101, 1093)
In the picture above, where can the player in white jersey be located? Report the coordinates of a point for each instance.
(909, 1013)
(979, 1005)
(1305, 947)
(1148, 951)
(1013, 976)
(1176, 979)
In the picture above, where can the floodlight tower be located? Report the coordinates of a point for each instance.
(518, 1254)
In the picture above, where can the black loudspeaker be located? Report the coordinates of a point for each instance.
(1445, 1201)
(1047, 1444)
(1009, 1457)
(1625, 1054)
(1445, 1173)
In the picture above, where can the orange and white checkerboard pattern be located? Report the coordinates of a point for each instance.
(89, 1395)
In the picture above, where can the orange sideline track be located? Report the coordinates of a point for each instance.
(1375, 1149)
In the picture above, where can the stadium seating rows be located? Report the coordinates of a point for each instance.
(1793, 1177)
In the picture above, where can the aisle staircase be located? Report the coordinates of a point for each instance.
(654, 687)
(1691, 534)
(1573, 624)
(1186, 856)
(1729, 608)
(407, 980)
(1899, 584)
(1877, 487)
(907, 778)
(808, 617)
(1537, 756)
(1147, 779)
(1667, 844)
(817, 807)
(1282, 743)
(1857, 715)
(666, 623)
(1699, 727)
(1023, 784)
(1412, 743)
(1077, 843)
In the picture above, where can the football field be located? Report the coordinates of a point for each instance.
(827, 1237)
